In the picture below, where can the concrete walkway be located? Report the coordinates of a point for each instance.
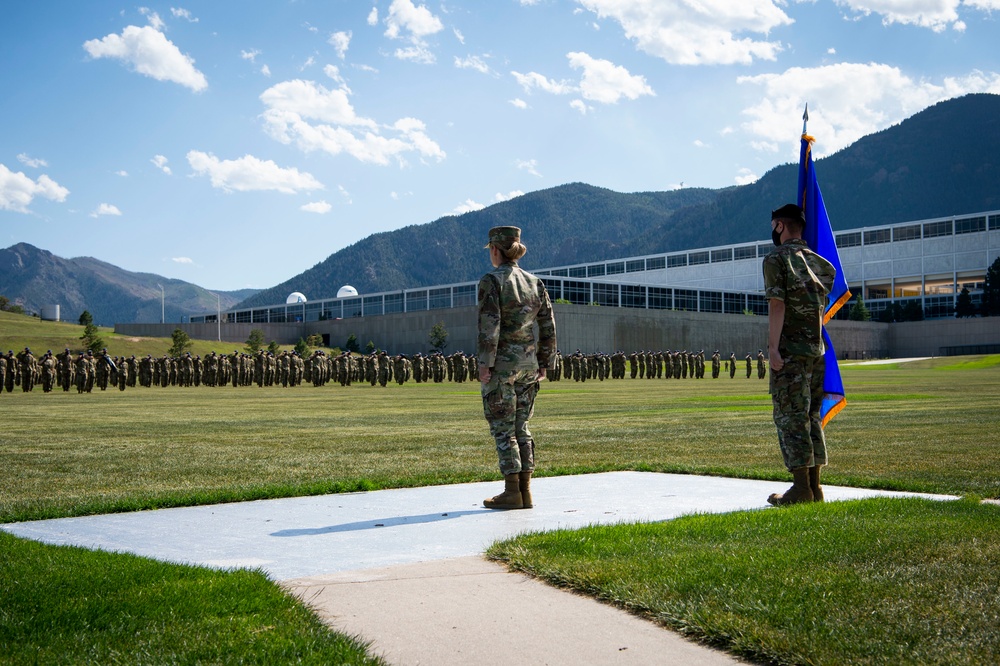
(402, 568)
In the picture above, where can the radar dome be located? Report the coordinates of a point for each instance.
(295, 297)
(346, 290)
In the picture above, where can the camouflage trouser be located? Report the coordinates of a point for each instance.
(508, 403)
(797, 395)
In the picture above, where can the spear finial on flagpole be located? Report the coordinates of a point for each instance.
(805, 118)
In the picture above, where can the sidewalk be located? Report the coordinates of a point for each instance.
(402, 568)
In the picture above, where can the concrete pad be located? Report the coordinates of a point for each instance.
(308, 536)
(469, 611)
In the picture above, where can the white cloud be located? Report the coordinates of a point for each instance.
(934, 14)
(831, 51)
(458, 35)
(470, 205)
(250, 55)
(605, 82)
(710, 32)
(310, 61)
(340, 42)
(122, 172)
(106, 209)
(182, 260)
(266, 71)
(345, 195)
(180, 12)
(17, 190)
(846, 102)
(528, 165)
(602, 81)
(321, 207)
(154, 19)
(161, 163)
(249, 174)
(519, 103)
(473, 62)
(33, 162)
(414, 24)
(698, 143)
(333, 72)
(581, 106)
(373, 16)
(150, 53)
(985, 5)
(314, 118)
(745, 176)
(535, 80)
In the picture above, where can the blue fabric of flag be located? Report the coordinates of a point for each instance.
(819, 235)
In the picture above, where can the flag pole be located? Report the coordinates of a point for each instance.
(805, 118)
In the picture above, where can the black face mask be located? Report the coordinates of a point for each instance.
(776, 238)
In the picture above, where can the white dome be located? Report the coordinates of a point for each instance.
(346, 290)
(296, 297)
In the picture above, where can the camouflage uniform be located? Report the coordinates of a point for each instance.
(511, 301)
(801, 279)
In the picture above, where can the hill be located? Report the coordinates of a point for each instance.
(33, 277)
(944, 160)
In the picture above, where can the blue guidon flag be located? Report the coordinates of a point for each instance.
(819, 236)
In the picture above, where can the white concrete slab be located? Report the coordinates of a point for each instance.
(308, 536)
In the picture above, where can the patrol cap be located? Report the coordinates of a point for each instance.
(790, 212)
(504, 236)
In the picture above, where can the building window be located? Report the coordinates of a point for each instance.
(352, 307)
(939, 306)
(277, 315)
(745, 252)
(577, 293)
(764, 250)
(849, 240)
(911, 232)
(578, 271)
(677, 260)
(595, 270)
(393, 303)
(333, 310)
(606, 295)
(757, 304)
(970, 225)
(415, 301)
(244, 317)
(877, 236)
(875, 292)
(372, 305)
(994, 222)
(260, 316)
(935, 229)
(313, 311)
(710, 301)
(696, 258)
(686, 299)
(464, 295)
(560, 272)
(439, 298)
(635, 265)
(633, 296)
(659, 298)
(616, 267)
(733, 303)
(554, 287)
(656, 263)
(722, 255)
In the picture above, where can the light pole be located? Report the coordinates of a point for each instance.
(163, 307)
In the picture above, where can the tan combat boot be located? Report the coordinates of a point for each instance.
(799, 492)
(817, 490)
(510, 498)
(524, 483)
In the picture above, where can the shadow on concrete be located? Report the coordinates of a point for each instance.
(376, 523)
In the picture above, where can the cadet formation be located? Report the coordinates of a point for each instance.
(84, 372)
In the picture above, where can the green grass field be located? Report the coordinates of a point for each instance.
(928, 426)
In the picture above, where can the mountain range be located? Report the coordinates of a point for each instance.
(942, 161)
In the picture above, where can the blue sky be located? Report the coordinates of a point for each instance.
(236, 144)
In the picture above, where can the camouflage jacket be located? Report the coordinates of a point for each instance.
(511, 302)
(802, 279)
